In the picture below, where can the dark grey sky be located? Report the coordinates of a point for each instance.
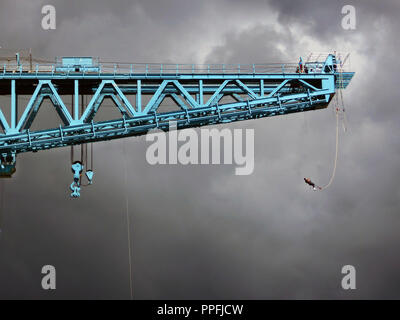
(201, 231)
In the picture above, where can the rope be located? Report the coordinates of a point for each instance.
(84, 149)
(336, 153)
(339, 106)
(82, 145)
(91, 156)
(345, 126)
(128, 222)
(72, 154)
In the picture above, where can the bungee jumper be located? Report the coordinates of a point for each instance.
(312, 184)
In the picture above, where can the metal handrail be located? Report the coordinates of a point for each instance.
(159, 68)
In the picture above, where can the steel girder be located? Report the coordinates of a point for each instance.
(75, 128)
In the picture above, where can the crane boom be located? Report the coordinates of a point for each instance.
(198, 93)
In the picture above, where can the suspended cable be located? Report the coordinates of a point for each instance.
(2, 184)
(91, 156)
(128, 221)
(345, 124)
(339, 109)
(336, 153)
(72, 154)
(312, 184)
(84, 153)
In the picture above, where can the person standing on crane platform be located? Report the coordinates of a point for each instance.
(301, 68)
(301, 65)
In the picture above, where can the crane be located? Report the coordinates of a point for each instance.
(198, 92)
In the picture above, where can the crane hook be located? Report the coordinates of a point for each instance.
(77, 169)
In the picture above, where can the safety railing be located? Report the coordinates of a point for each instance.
(151, 68)
(342, 58)
(160, 69)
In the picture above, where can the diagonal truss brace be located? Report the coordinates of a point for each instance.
(137, 121)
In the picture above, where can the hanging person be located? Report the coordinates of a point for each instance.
(312, 184)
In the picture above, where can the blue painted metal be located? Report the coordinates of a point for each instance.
(77, 64)
(255, 91)
(77, 169)
(89, 176)
(7, 170)
(7, 165)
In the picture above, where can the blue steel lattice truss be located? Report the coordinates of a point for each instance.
(255, 91)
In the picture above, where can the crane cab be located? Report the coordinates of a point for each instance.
(77, 64)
